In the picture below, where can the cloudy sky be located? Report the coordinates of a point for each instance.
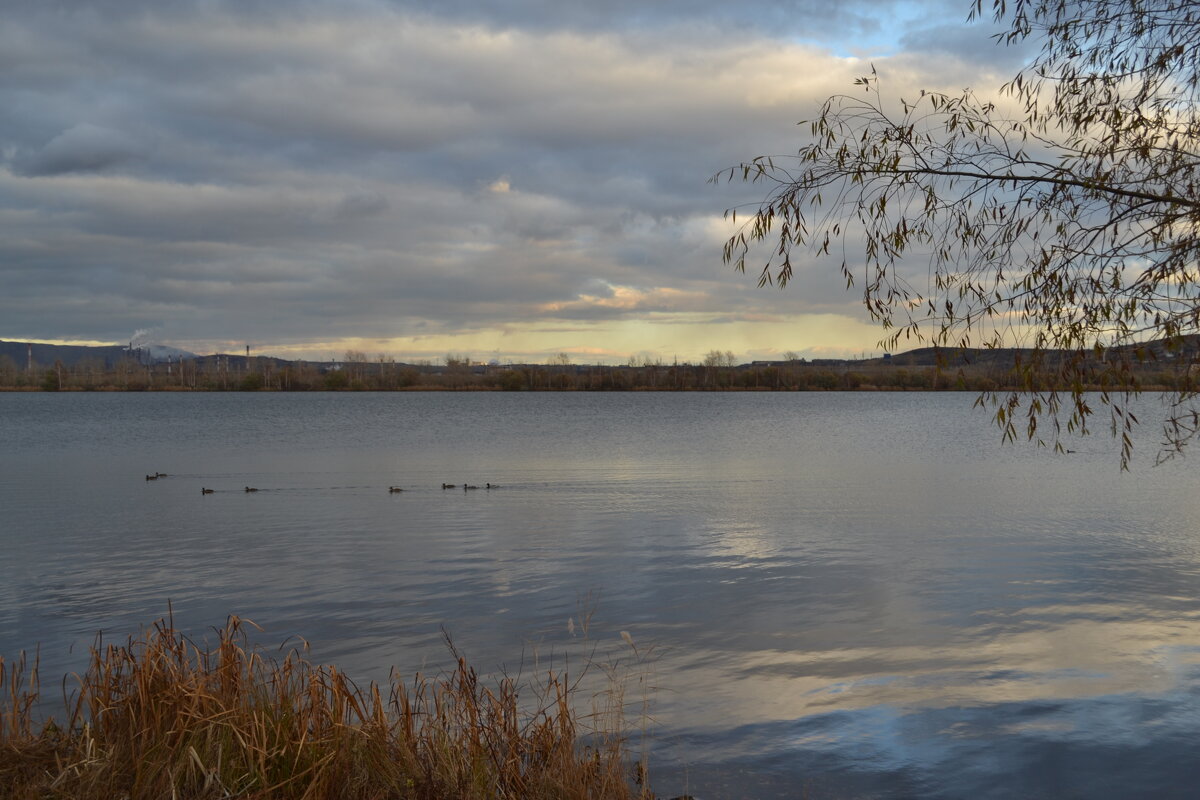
(506, 179)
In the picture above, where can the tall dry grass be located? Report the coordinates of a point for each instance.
(164, 717)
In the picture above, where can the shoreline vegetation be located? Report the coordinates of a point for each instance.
(910, 372)
(163, 716)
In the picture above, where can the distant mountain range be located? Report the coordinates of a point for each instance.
(70, 354)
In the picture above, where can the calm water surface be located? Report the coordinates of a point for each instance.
(849, 595)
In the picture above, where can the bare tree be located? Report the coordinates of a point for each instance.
(1068, 228)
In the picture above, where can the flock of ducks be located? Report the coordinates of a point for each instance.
(391, 489)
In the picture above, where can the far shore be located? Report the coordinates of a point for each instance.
(1165, 365)
(267, 375)
(692, 389)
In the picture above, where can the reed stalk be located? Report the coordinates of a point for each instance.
(161, 716)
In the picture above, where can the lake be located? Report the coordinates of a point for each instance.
(844, 594)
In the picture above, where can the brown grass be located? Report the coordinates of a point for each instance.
(164, 717)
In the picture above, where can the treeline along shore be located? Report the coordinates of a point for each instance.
(1154, 366)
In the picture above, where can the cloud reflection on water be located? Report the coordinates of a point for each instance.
(835, 587)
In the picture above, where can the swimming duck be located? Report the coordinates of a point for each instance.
(206, 491)
(394, 489)
(490, 486)
(449, 485)
(251, 489)
(152, 477)
(465, 487)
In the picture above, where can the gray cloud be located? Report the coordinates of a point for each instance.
(380, 169)
(81, 148)
(972, 44)
(855, 20)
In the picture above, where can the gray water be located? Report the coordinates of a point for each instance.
(842, 595)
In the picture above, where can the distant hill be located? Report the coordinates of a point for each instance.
(109, 355)
(70, 355)
(1006, 357)
(955, 357)
(164, 352)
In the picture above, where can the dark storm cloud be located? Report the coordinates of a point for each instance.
(82, 148)
(220, 169)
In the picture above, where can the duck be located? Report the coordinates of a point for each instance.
(490, 486)
(158, 475)
(206, 491)
(449, 485)
(394, 489)
(466, 486)
(153, 477)
(251, 489)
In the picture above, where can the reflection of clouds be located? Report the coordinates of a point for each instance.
(1095, 747)
(838, 575)
(1075, 658)
(745, 542)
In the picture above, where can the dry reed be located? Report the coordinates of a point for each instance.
(164, 717)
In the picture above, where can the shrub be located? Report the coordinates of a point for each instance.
(336, 379)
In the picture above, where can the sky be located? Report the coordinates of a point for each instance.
(497, 180)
